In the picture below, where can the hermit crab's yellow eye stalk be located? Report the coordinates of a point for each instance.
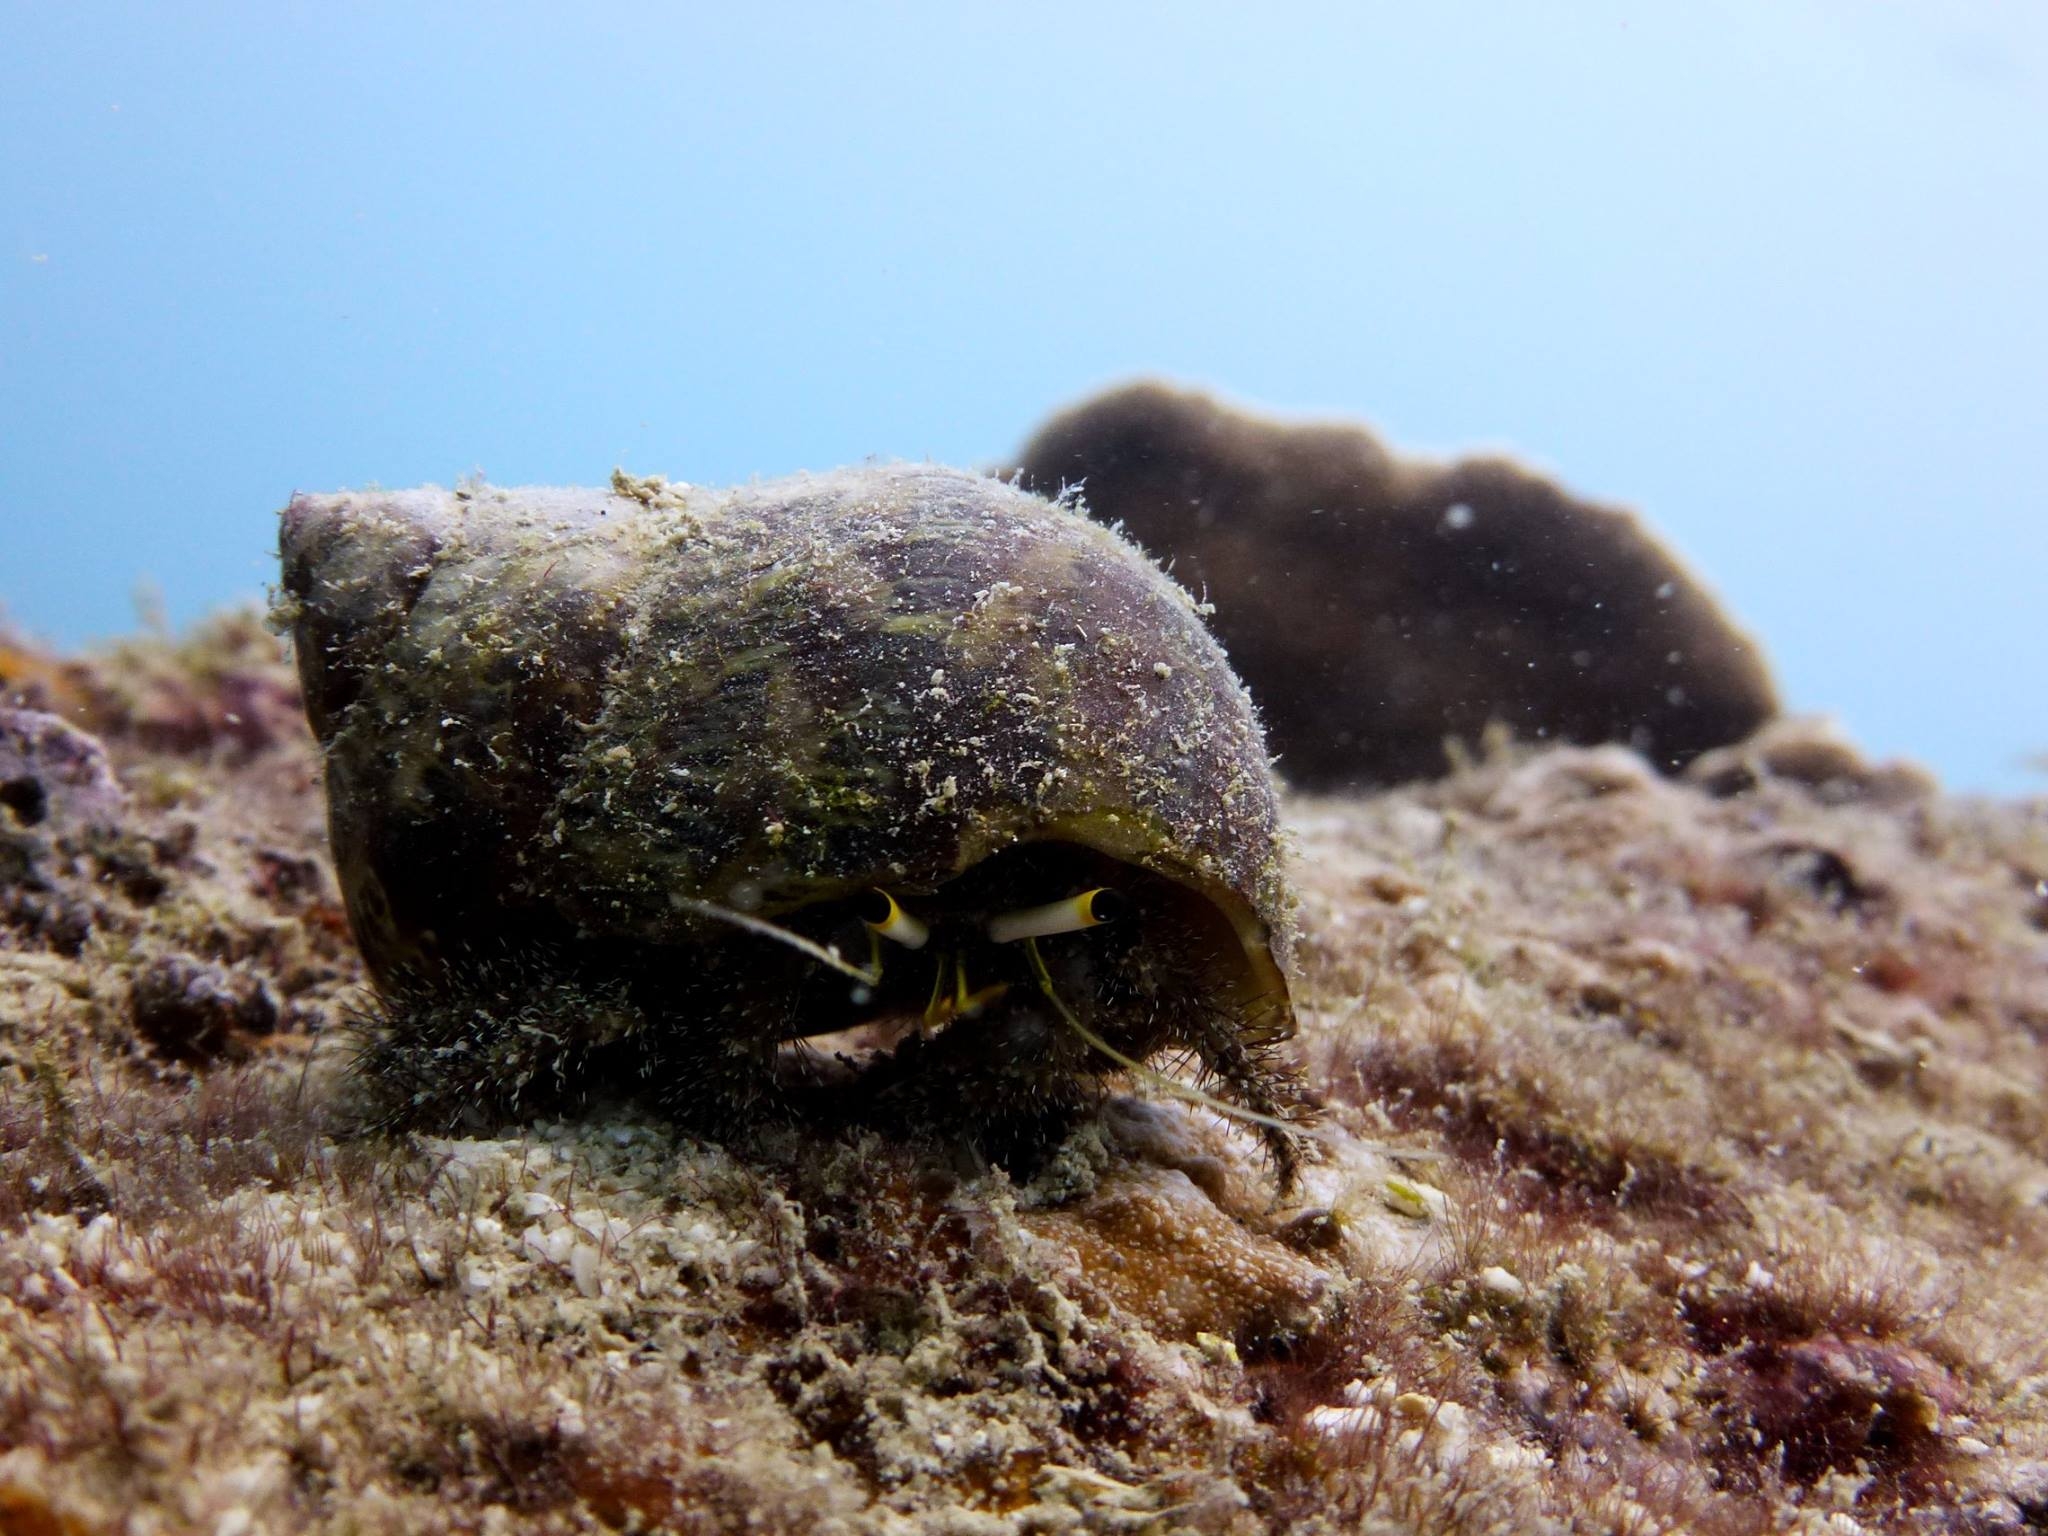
(1090, 909)
(879, 910)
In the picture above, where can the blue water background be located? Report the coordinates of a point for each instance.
(1776, 274)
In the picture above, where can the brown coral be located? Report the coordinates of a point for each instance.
(1379, 607)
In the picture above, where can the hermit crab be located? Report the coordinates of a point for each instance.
(637, 790)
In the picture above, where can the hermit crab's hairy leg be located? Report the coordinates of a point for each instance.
(1238, 1053)
(1222, 1055)
(716, 1054)
(496, 1037)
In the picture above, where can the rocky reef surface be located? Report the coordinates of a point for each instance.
(1682, 1166)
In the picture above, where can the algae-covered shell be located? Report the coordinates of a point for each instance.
(576, 719)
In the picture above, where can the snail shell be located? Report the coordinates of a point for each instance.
(677, 745)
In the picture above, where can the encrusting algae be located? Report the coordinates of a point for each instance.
(1679, 1167)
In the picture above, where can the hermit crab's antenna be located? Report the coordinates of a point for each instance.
(830, 957)
(1138, 1069)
